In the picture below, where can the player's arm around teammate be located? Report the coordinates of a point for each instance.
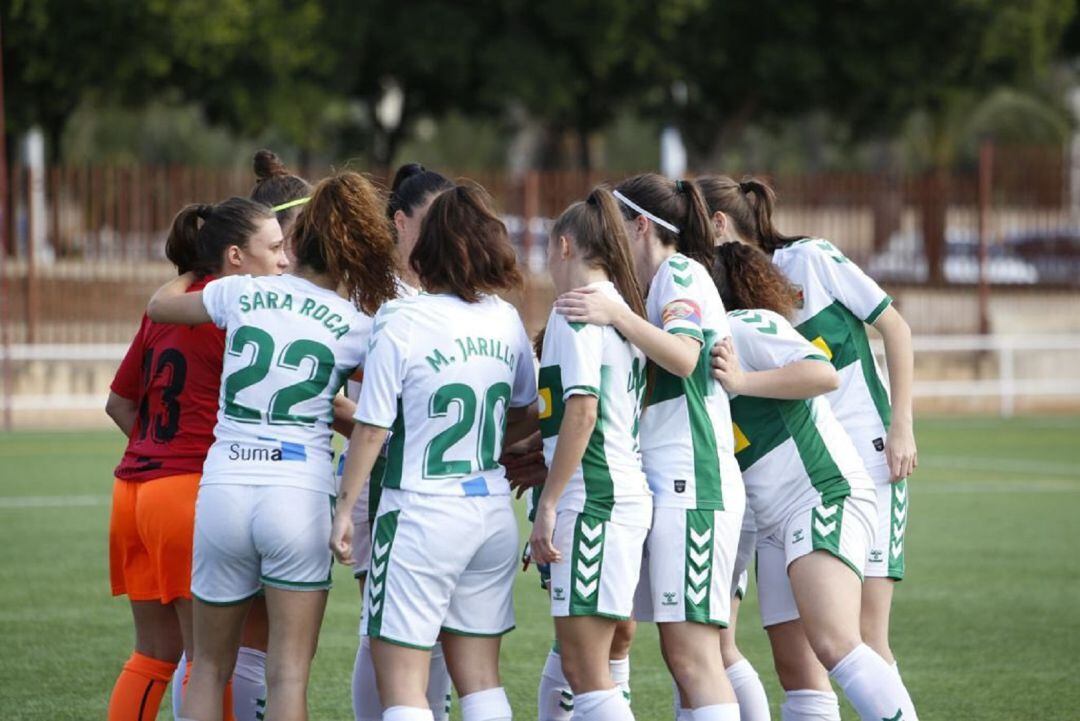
(264, 508)
(686, 439)
(164, 397)
(812, 498)
(836, 298)
(449, 372)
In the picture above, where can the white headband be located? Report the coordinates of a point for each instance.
(641, 211)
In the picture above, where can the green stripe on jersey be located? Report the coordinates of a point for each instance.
(845, 337)
(395, 454)
(766, 423)
(696, 388)
(599, 488)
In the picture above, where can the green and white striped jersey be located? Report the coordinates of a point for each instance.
(289, 347)
(837, 298)
(441, 375)
(793, 453)
(582, 359)
(686, 440)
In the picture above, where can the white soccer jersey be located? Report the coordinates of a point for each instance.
(686, 440)
(837, 298)
(583, 359)
(441, 375)
(793, 453)
(289, 347)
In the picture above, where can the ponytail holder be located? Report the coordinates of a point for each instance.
(591, 200)
(204, 211)
(744, 186)
(680, 186)
(290, 204)
(641, 211)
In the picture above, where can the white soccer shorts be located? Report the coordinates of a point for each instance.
(440, 564)
(599, 570)
(886, 554)
(249, 536)
(843, 529)
(688, 567)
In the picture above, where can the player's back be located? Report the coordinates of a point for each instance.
(457, 368)
(174, 374)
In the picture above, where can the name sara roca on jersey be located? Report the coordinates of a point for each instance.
(308, 308)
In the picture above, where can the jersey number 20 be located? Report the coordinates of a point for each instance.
(486, 456)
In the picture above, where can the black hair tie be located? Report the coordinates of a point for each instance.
(680, 186)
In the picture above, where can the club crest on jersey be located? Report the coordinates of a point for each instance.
(680, 486)
(800, 296)
(681, 309)
(283, 451)
(879, 444)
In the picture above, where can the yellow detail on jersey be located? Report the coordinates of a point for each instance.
(741, 441)
(820, 343)
(545, 403)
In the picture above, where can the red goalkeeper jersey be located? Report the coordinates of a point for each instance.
(173, 372)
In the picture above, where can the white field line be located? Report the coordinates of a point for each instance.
(53, 501)
(997, 465)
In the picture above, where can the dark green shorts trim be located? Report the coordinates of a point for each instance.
(237, 602)
(297, 585)
(403, 644)
(591, 611)
(701, 621)
(470, 634)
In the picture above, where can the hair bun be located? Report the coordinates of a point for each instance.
(405, 172)
(268, 165)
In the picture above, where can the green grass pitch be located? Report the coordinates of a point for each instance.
(987, 625)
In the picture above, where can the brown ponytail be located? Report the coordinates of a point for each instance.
(463, 247)
(749, 205)
(201, 233)
(597, 229)
(746, 278)
(677, 203)
(343, 233)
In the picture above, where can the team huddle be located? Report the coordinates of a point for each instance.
(703, 396)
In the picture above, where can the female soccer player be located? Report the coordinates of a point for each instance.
(813, 501)
(595, 509)
(163, 398)
(281, 190)
(836, 299)
(448, 381)
(413, 190)
(686, 438)
(265, 501)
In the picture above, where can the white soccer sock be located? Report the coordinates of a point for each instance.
(602, 706)
(620, 674)
(407, 713)
(810, 705)
(554, 699)
(438, 685)
(681, 714)
(684, 714)
(753, 703)
(716, 712)
(178, 685)
(487, 705)
(872, 687)
(249, 684)
(365, 694)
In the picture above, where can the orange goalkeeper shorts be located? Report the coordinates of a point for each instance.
(151, 532)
